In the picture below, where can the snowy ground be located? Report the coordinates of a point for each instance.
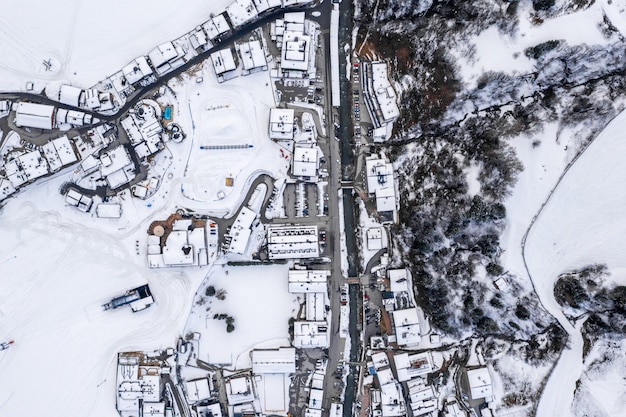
(87, 40)
(232, 113)
(57, 270)
(582, 223)
(257, 298)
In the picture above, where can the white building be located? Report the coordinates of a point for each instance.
(241, 12)
(78, 200)
(308, 281)
(479, 381)
(412, 366)
(72, 96)
(381, 183)
(374, 237)
(39, 116)
(274, 361)
(311, 334)
(216, 26)
(223, 63)
(59, 153)
(137, 70)
(407, 328)
(305, 161)
(185, 245)
(296, 44)
(6, 188)
(252, 57)
(138, 387)
(240, 230)
(380, 98)
(292, 242)
(162, 56)
(116, 167)
(281, 124)
(198, 390)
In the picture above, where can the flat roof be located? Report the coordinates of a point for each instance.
(305, 161)
(252, 55)
(274, 361)
(480, 383)
(223, 61)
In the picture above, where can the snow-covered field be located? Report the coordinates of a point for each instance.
(257, 298)
(87, 40)
(581, 224)
(56, 271)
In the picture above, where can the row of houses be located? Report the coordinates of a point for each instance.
(380, 98)
(47, 117)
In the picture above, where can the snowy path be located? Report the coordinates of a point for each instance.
(581, 223)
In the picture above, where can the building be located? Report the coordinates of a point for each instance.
(241, 12)
(407, 328)
(116, 167)
(59, 153)
(272, 369)
(380, 98)
(240, 230)
(139, 386)
(311, 334)
(296, 44)
(185, 245)
(292, 242)
(412, 366)
(480, 385)
(308, 281)
(137, 70)
(381, 183)
(374, 237)
(72, 96)
(39, 116)
(109, 210)
(162, 56)
(305, 161)
(26, 167)
(198, 390)
(223, 63)
(216, 26)
(252, 57)
(281, 124)
(78, 200)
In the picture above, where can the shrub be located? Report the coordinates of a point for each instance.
(210, 291)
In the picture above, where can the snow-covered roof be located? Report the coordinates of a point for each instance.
(480, 383)
(380, 360)
(374, 238)
(252, 55)
(216, 26)
(310, 334)
(33, 164)
(239, 390)
(39, 116)
(223, 61)
(305, 161)
(109, 210)
(407, 327)
(114, 160)
(295, 51)
(379, 173)
(241, 11)
(292, 242)
(274, 361)
(392, 401)
(70, 95)
(315, 306)
(281, 123)
(411, 366)
(162, 54)
(198, 390)
(305, 281)
(273, 390)
(136, 70)
(6, 188)
(241, 230)
(398, 280)
(386, 199)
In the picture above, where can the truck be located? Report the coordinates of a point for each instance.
(138, 298)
